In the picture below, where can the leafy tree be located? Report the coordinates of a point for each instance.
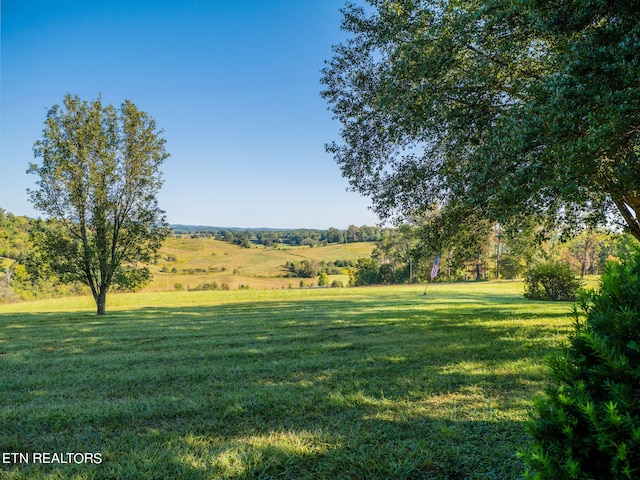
(243, 240)
(510, 266)
(366, 272)
(505, 108)
(353, 234)
(97, 185)
(397, 255)
(335, 236)
(623, 246)
(459, 236)
(305, 268)
(323, 279)
(585, 248)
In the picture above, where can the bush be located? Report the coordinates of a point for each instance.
(551, 281)
(588, 426)
(207, 286)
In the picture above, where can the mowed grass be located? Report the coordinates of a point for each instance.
(363, 383)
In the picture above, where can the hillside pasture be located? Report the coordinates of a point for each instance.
(198, 261)
(372, 383)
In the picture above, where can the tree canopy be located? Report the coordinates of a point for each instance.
(501, 108)
(98, 180)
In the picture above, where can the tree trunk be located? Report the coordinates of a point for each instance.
(631, 214)
(101, 302)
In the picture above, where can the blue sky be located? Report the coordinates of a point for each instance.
(234, 84)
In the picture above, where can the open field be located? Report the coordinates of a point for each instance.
(204, 260)
(327, 383)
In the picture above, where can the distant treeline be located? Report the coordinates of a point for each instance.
(21, 274)
(294, 237)
(14, 234)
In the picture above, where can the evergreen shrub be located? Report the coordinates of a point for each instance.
(588, 425)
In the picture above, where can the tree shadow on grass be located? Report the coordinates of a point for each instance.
(311, 388)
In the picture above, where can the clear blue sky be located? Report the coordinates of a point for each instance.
(234, 84)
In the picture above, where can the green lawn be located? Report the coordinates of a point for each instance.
(337, 383)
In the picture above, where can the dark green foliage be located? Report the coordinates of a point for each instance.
(551, 281)
(588, 426)
(511, 266)
(243, 240)
(131, 279)
(367, 272)
(305, 268)
(502, 108)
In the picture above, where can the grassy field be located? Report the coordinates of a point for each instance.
(361, 383)
(204, 260)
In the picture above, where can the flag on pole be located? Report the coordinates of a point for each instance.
(434, 270)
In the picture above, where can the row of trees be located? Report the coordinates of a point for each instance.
(293, 237)
(493, 252)
(310, 268)
(21, 276)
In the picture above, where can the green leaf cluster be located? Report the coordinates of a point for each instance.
(504, 108)
(551, 280)
(588, 425)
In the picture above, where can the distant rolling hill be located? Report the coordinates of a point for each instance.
(190, 263)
